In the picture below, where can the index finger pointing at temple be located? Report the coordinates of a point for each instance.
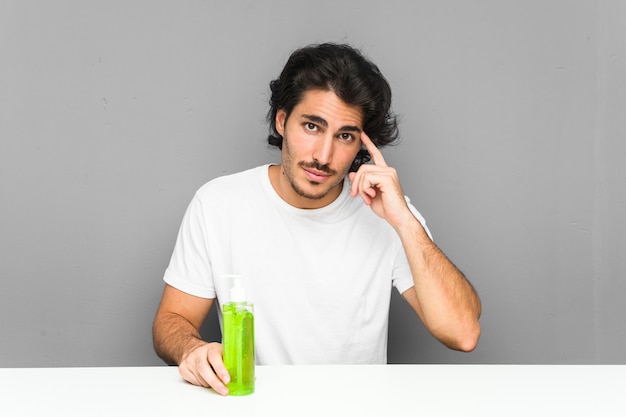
(377, 156)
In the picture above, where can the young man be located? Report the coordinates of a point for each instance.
(320, 239)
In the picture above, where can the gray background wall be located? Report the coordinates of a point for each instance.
(113, 113)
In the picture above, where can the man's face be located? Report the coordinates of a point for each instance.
(321, 138)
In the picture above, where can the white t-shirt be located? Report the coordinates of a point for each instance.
(320, 279)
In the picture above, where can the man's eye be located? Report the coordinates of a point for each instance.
(310, 126)
(346, 136)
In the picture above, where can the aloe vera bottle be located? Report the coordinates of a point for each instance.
(238, 340)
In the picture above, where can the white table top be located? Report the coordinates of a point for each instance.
(350, 390)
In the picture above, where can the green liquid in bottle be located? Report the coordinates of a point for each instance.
(238, 321)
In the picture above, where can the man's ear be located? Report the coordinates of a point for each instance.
(281, 117)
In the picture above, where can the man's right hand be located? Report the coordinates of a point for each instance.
(204, 366)
(176, 332)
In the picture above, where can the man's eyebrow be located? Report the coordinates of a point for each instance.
(315, 119)
(322, 122)
(349, 128)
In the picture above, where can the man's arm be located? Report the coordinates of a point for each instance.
(176, 337)
(442, 297)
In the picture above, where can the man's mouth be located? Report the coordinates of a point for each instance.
(316, 172)
(315, 176)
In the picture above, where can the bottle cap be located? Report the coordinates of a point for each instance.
(237, 291)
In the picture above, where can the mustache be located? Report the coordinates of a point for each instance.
(317, 166)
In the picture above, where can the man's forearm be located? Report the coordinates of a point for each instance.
(447, 302)
(174, 337)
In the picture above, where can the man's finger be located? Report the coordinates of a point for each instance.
(377, 156)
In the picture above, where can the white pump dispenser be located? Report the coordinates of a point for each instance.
(237, 291)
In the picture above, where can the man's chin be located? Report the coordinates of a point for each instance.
(311, 190)
(313, 193)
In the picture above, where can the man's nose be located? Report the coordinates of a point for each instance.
(323, 151)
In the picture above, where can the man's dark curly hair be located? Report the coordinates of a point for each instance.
(343, 70)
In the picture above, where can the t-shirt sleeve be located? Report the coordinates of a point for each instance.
(189, 269)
